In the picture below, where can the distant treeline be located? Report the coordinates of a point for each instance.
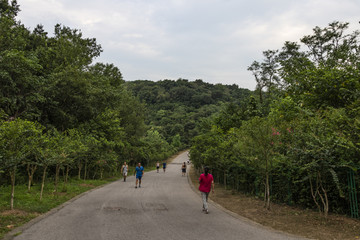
(176, 109)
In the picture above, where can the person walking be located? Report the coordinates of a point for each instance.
(139, 172)
(157, 166)
(124, 170)
(183, 169)
(206, 181)
(164, 166)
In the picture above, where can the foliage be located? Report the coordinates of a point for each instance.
(61, 115)
(177, 107)
(297, 140)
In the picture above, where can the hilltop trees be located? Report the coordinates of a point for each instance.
(175, 108)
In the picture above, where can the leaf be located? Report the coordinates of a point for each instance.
(336, 181)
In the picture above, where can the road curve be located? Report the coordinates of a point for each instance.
(165, 207)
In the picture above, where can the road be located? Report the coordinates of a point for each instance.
(165, 207)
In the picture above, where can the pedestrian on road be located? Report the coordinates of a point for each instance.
(124, 170)
(139, 171)
(183, 169)
(164, 166)
(206, 181)
(157, 167)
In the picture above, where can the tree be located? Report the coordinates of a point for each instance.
(266, 73)
(326, 73)
(322, 148)
(69, 48)
(11, 32)
(257, 137)
(48, 154)
(32, 162)
(15, 145)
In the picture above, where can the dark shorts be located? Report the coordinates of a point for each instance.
(138, 177)
(183, 169)
(157, 167)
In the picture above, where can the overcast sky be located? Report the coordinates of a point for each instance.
(212, 40)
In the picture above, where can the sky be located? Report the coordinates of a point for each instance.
(212, 40)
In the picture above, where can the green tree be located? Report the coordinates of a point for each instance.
(325, 74)
(15, 145)
(321, 149)
(257, 139)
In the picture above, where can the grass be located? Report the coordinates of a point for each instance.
(27, 205)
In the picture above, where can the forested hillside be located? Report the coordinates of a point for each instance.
(177, 109)
(298, 142)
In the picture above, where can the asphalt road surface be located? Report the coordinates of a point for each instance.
(165, 207)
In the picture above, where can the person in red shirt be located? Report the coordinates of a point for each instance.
(206, 181)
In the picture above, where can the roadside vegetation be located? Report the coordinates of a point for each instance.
(27, 205)
(282, 217)
(297, 140)
(63, 119)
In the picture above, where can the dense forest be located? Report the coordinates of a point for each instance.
(177, 109)
(297, 142)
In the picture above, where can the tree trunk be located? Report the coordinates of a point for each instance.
(67, 174)
(225, 179)
(43, 182)
(85, 169)
(314, 194)
(12, 175)
(260, 95)
(79, 172)
(30, 170)
(57, 171)
(95, 172)
(324, 199)
(267, 192)
(267, 186)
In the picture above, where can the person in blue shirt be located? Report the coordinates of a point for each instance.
(164, 166)
(139, 172)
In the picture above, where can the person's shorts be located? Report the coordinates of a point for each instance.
(157, 167)
(138, 177)
(183, 170)
(124, 174)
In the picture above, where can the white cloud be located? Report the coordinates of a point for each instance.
(210, 39)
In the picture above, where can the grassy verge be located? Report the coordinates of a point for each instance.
(27, 205)
(294, 220)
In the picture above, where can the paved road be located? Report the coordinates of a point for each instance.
(165, 207)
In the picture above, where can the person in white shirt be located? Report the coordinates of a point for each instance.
(124, 170)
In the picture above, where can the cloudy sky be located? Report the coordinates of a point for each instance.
(212, 40)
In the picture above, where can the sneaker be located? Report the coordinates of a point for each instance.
(207, 211)
(135, 186)
(139, 186)
(203, 210)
